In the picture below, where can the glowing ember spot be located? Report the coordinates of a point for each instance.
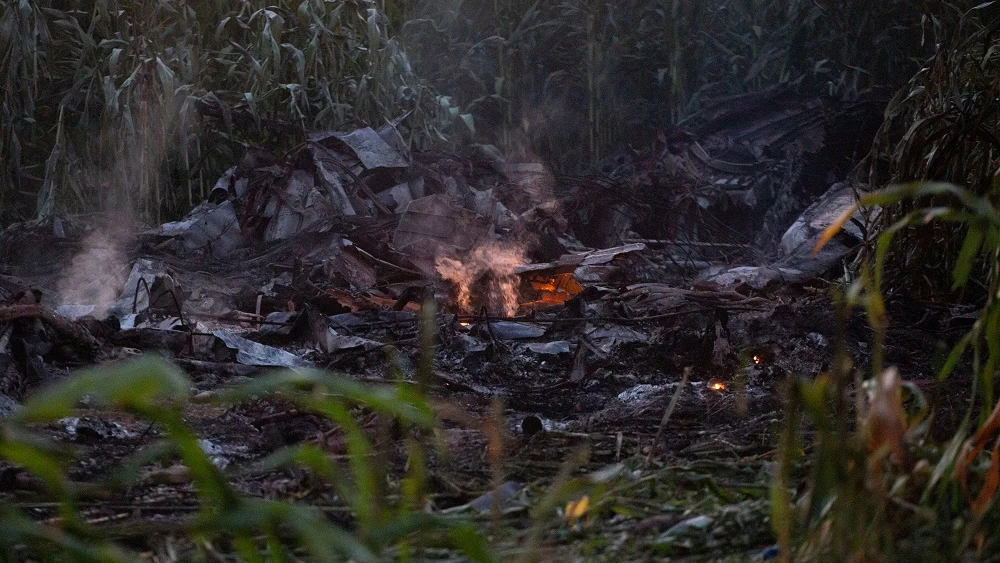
(757, 360)
(554, 289)
(464, 323)
(717, 386)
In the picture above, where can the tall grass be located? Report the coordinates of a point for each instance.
(142, 104)
(109, 103)
(943, 126)
(388, 521)
(879, 488)
(573, 80)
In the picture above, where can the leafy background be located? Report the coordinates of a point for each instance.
(141, 105)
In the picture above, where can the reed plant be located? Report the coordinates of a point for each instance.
(389, 518)
(142, 105)
(878, 486)
(943, 126)
(574, 80)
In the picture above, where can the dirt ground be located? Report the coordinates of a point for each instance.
(634, 326)
(573, 393)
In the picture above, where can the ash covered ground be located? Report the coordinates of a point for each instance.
(646, 314)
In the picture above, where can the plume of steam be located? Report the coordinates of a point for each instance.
(127, 157)
(96, 274)
(493, 258)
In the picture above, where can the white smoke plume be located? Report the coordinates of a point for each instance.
(128, 184)
(96, 274)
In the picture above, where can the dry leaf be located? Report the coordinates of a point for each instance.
(973, 447)
(834, 228)
(576, 510)
(985, 497)
(885, 424)
(971, 451)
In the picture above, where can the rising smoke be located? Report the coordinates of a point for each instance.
(129, 185)
(96, 274)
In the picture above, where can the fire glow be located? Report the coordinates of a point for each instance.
(717, 386)
(555, 289)
(493, 260)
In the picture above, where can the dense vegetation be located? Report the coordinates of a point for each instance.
(110, 104)
(144, 103)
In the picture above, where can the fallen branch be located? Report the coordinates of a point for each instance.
(66, 328)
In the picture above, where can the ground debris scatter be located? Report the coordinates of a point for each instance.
(568, 312)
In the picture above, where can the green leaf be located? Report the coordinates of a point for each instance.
(967, 256)
(137, 385)
(19, 530)
(168, 80)
(300, 385)
(471, 543)
(955, 356)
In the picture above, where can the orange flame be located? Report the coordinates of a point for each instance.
(555, 289)
(491, 257)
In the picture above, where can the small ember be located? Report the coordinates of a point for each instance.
(717, 386)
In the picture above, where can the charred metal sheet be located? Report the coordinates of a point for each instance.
(371, 149)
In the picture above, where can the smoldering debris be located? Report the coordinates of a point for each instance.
(351, 221)
(577, 301)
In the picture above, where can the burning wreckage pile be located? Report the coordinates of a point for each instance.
(579, 300)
